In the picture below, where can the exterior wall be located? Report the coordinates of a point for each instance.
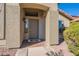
(2, 26)
(65, 20)
(12, 25)
(21, 25)
(52, 25)
(3, 43)
(34, 6)
(14, 28)
(1, 21)
(41, 28)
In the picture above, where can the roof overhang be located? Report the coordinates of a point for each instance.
(65, 14)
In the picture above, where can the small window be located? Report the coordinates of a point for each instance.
(30, 13)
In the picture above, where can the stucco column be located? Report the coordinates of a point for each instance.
(52, 27)
(47, 29)
(12, 25)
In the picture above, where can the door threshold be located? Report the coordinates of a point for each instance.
(34, 40)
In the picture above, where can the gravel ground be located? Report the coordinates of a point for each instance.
(56, 48)
(12, 52)
(7, 52)
(63, 46)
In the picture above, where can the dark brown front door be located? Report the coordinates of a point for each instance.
(33, 28)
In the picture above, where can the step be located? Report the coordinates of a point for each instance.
(2, 43)
(37, 51)
(21, 52)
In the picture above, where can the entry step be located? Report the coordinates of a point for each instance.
(34, 40)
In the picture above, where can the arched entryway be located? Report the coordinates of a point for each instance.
(15, 16)
(33, 22)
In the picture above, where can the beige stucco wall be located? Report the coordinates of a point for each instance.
(12, 25)
(52, 25)
(34, 6)
(21, 25)
(2, 26)
(65, 20)
(41, 28)
(1, 21)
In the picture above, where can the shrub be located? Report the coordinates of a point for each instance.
(71, 36)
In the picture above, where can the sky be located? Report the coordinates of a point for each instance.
(70, 8)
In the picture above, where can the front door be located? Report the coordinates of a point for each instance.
(33, 29)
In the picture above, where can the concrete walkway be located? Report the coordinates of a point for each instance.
(42, 50)
(37, 51)
(32, 51)
(22, 52)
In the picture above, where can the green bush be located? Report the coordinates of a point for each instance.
(71, 36)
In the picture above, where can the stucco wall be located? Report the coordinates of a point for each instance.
(41, 28)
(13, 25)
(1, 20)
(21, 25)
(65, 20)
(52, 25)
(2, 26)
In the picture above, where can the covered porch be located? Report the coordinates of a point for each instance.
(38, 20)
(41, 17)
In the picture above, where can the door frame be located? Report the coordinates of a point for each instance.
(33, 18)
(37, 34)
